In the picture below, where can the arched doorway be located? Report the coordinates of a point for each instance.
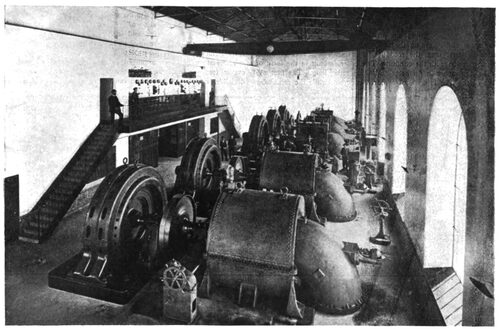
(446, 190)
(400, 142)
(381, 126)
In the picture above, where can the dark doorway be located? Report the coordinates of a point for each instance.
(11, 190)
(105, 90)
(143, 148)
(173, 140)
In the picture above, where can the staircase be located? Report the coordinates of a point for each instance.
(40, 222)
(449, 297)
(229, 120)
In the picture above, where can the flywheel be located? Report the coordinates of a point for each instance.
(126, 218)
(200, 173)
(274, 122)
(258, 135)
(199, 166)
(286, 119)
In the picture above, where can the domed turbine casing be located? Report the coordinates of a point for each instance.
(332, 199)
(335, 144)
(329, 281)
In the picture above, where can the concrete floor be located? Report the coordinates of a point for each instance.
(390, 298)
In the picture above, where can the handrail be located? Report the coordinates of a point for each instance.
(237, 124)
(148, 106)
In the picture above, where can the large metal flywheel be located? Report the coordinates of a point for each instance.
(274, 122)
(286, 119)
(199, 167)
(199, 173)
(127, 217)
(258, 135)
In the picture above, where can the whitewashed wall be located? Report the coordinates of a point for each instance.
(303, 82)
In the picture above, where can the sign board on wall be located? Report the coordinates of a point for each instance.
(189, 75)
(139, 73)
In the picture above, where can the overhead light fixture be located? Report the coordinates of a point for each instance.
(270, 49)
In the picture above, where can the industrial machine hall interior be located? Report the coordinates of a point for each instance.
(249, 165)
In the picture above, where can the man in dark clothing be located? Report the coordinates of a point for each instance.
(223, 148)
(114, 106)
(133, 103)
(232, 146)
(335, 164)
(343, 154)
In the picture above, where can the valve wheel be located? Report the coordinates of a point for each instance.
(381, 208)
(175, 278)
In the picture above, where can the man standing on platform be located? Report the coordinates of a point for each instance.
(223, 148)
(232, 146)
(343, 154)
(133, 103)
(114, 107)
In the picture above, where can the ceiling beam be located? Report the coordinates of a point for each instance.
(287, 28)
(301, 17)
(284, 48)
(187, 13)
(218, 22)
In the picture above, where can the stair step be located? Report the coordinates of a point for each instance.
(454, 303)
(82, 167)
(85, 161)
(62, 198)
(449, 298)
(77, 170)
(454, 318)
(70, 179)
(90, 161)
(29, 236)
(50, 211)
(33, 225)
(71, 185)
(446, 297)
(33, 232)
(96, 147)
(47, 220)
(86, 158)
(54, 206)
(66, 187)
(89, 155)
(446, 285)
(64, 190)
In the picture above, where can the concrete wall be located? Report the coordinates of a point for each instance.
(455, 47)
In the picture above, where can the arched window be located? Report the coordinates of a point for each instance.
(446, 190)
(363, 112)
(400, 142)
(367, 105)
(381, 126)
(373, 109)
